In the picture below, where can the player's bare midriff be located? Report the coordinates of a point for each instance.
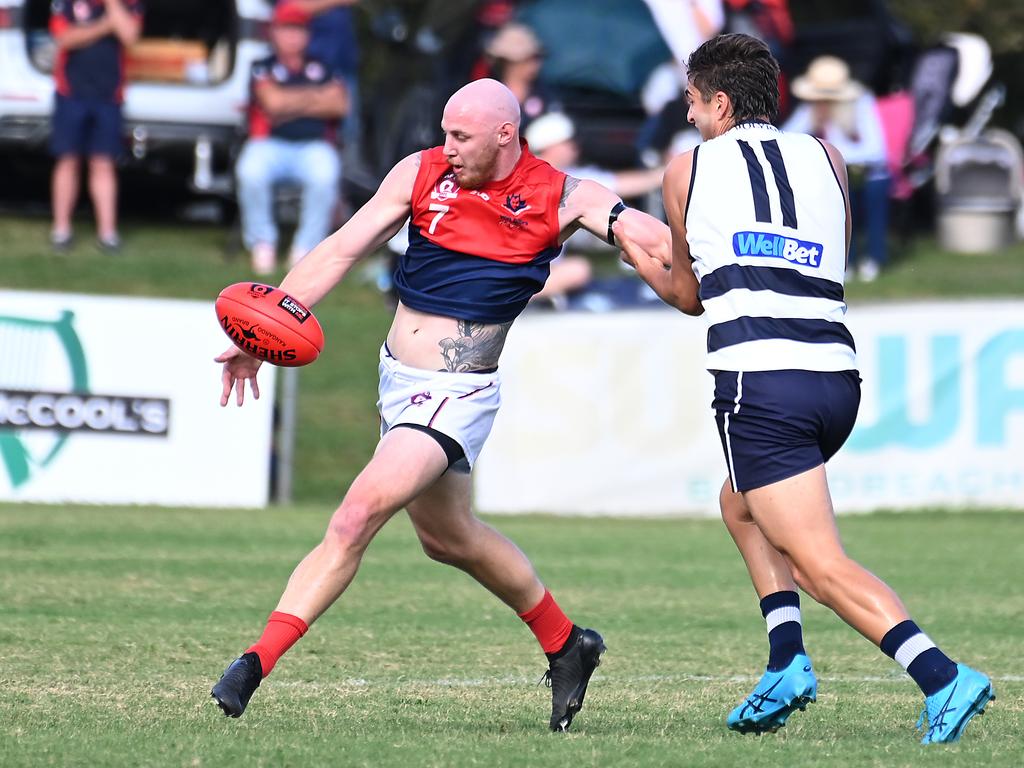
(436, 343)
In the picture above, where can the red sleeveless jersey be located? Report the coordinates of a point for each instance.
(479, 254)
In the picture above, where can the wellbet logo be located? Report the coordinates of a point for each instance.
(777, 247)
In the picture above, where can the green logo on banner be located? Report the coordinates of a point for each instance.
(22, 344)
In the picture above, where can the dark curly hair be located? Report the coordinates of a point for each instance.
(744, 69)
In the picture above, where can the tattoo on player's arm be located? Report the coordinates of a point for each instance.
(477, 346)
(571, 182)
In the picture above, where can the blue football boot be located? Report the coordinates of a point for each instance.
(950, 710)
(775, 698)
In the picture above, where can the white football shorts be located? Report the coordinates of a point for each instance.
(460, 405)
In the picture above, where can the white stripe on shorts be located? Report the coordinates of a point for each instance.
(912, 648)
(728, 452)
(725, 427)
(781, 616)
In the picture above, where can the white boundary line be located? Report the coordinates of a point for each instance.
(447, 682)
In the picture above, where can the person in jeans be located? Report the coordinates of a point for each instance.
(295, 105)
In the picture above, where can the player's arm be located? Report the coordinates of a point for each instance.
(591, 206)
(124, 22)
(672, 278)
(368, 229)
(323, 267)
(839, 164)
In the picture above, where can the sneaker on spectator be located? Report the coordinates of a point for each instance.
(61, 241)
(263, 258)
(109, 243)
(868, 270)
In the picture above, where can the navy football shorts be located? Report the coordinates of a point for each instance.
(84, 127)
(777, 424)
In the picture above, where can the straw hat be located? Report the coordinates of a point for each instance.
(515, 42)
(827, 79)
(548, 130)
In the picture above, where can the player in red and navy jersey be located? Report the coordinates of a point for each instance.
(89, 72)
(485, 218)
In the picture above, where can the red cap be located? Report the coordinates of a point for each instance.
(293, 14)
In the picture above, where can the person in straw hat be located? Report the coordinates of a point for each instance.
(842, 111)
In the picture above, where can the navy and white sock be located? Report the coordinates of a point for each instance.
(913, 650)
(781, 611)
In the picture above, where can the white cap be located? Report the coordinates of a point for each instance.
(548, 130)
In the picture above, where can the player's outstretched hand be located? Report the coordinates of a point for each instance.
(238, 367)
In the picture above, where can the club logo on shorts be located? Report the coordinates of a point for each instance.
(777, 247)
(420, 398)
(259, 290)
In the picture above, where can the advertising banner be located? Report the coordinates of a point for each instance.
(116, 400)
(611, 414)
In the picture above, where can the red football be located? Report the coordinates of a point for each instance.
(268, 323)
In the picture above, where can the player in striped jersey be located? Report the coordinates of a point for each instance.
(760, 232)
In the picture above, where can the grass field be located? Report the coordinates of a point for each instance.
(116, 622)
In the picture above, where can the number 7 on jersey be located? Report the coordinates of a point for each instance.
(441, 211)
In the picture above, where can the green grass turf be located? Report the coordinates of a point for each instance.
(114, 623)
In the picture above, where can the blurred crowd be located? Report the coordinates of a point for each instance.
(313, 122)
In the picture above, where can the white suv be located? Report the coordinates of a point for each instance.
(203, 115)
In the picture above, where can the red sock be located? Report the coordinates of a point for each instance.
(548, 623)
(282, 632)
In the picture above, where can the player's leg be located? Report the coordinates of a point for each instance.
(788, 682)
(450, 533)
(406, 463)
(797, 518)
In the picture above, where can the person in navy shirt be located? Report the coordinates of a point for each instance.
(89, 72)
(332, 40)
(295, 105)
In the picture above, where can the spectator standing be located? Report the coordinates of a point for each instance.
(845, 113)
(89, 72)
(295, 103)
(684, 25)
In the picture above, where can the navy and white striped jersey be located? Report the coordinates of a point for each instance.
(766, 227)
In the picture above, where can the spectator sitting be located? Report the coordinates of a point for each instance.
(332, 42)
(844, 113)
(296, 102)
(89, 73)
(517, 55)
(551, 137)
